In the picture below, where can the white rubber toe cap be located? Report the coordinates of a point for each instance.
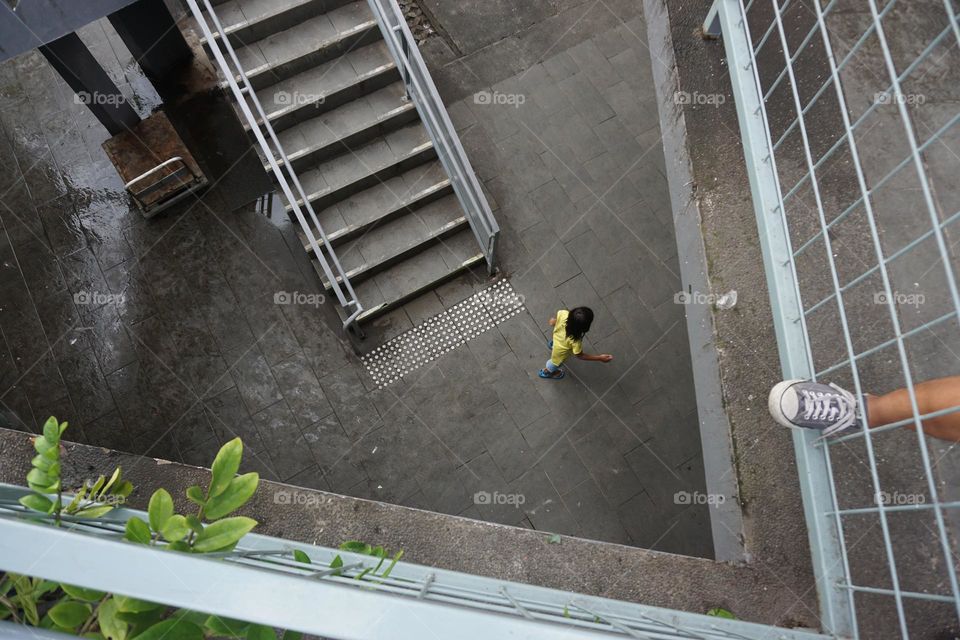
(783, 403)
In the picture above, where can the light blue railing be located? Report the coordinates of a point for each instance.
(423, 92)
(261, 582)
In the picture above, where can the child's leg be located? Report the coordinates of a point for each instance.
(932, 395)
(552, 369)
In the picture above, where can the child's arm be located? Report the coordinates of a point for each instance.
(601, 357)
(552, 321)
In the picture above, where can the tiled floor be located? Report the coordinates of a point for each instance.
(183, 347)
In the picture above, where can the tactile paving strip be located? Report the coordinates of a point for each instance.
(437, 335)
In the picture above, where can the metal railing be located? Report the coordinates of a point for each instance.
(881, 566)
(420, 88)
(281, 167)
(187, 186)
(260, 581)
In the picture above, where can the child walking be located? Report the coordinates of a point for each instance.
(569, 327)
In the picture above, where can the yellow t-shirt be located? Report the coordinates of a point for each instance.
(563, 345)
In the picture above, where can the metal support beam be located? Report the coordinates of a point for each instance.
(824, 530)
(152, 36)
(77, 66)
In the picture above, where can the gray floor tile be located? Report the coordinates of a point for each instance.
(596, 518)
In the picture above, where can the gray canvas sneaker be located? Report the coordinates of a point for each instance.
(811, 405)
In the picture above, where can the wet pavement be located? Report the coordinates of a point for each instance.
(163, 338)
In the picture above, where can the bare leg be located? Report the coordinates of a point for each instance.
(932, 395)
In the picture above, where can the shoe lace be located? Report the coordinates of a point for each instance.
(838, 408)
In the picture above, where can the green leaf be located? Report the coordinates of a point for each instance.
(123, 489)
(223, 533)
(37, 502)
(196, 617)
(81, 593)
(113, 478)
(260, 632)
(172, 629)
(175, 529)
(44, 447)
(393, 563)
(42, 462)
(141, 621)
(137, 531)
(93, 635)
(77, 499)
(238, 491)
(721, 613)
(126, 604)
(300, 556)
(51, 430)
(195, 495)
(357, 547)
(96, 486)
(69, 614)
(226, 627)
(292, 635)
(37, 478)
(336, 564)
(554, 539)
(179, 545)
(225, 466)
(160, 509)
(194, 523)
(27, 598)
(94, 511)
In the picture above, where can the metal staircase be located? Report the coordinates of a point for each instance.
(358, 141)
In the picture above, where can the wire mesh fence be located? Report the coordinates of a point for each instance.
(849, 111)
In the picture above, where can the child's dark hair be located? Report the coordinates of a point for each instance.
(578, 322)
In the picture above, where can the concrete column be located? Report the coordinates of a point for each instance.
(152, 36)
(77, 66)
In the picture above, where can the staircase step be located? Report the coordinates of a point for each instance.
(413, 277)
(328, 86)
(347, 174)
(309, 43)
(389, 243)
(381, 203)
(246, 21)
(347, 126)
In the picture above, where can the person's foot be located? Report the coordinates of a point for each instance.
(811, 405)
(556, 375)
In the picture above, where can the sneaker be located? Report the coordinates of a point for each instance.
(812, 405)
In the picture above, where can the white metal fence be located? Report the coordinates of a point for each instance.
(848, 114)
